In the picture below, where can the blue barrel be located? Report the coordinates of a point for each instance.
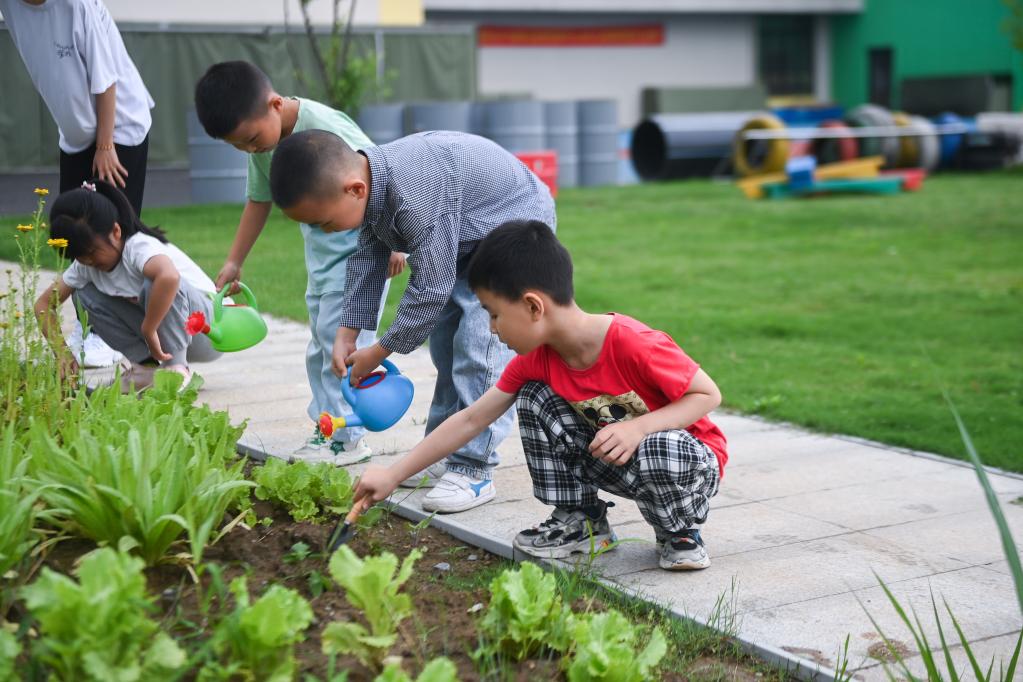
(382, 123)
(598, 142)
(217, 171)
(516, 125)
(950, 144)
(438, 116)
(561, 134)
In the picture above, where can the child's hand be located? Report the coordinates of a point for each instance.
(230, 273)
(377, 482)
(344, 345)
(395, 264)
(617, 443)
(107, 167)
(68, 366)
(364, 361)
(153, 341)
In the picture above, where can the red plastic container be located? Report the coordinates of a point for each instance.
(544, 165)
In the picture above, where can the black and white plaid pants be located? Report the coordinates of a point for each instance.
(671, 477)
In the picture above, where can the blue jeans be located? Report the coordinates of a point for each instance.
(324, 318)
(469, 360)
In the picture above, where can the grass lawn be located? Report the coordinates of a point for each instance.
(847, 315)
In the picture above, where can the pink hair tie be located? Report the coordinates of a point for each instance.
(91, 186)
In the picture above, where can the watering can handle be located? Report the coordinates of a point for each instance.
(218, 300)
(348, 391)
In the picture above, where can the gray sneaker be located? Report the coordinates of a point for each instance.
(566, 532)
(682, 551)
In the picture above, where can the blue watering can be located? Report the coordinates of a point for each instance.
(379, 401)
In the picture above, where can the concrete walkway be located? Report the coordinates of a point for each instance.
(801, 525)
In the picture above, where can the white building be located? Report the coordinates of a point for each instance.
(566, 49)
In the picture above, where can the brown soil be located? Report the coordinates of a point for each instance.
(442, 624)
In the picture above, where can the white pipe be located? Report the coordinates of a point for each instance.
(837, 133)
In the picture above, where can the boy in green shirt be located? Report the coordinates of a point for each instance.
(236, 102)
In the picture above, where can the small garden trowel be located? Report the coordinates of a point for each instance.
(345, 529)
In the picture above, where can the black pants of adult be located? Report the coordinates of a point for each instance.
(77, 168)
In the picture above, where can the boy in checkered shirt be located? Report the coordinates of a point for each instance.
(434, 196)
(604, 403)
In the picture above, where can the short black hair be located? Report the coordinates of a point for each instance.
(521, 255)
(229, 93)
(311, 163)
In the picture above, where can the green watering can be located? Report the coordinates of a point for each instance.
(234, 327)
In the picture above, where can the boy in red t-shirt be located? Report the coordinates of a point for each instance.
(604, 403)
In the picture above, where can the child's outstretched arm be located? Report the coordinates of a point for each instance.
(165, 278)
(617, 443)
(46, 311)
(250, 226)
(453, 433)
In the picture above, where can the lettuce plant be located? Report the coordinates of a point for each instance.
(150, 469)
(9, 650)
(605, 650)
(525, 614)
(438, 670)
(17, 504)
(309, 492)
(98, 628)
(372, 585)
(257, 640)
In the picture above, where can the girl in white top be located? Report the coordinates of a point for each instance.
(137, 288)
(78, 64)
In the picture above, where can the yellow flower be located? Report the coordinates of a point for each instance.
(17, 314)
(26, 228)
(57, 243)
(41, 191)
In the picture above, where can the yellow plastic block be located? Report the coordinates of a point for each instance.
(867, 167)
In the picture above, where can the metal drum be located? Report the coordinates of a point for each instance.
(382, 123)
(438, 116)
(217, 171)
(561, 134)
(598, 142)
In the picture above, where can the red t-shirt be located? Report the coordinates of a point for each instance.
(639, 370)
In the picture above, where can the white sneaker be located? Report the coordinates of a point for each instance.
(456, 492)
(428, 477)
(314, 446)
(96, 351)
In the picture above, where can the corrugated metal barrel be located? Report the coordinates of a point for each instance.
(598, 142)
(516, 125)
(438, 116)
(561, 134)
(217, 171)
(383, 123)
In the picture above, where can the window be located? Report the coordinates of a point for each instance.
(786, 54)
(880, 76)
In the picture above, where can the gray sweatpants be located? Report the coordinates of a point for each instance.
(118, 321)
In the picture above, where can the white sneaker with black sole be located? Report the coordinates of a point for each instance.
(683, 551)
(455, 492)
(565, 533)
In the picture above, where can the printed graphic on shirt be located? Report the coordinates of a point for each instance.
(611, 409)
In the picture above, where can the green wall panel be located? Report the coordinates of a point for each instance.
(929, 38)
(421, 66)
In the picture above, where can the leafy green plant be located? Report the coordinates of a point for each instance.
(256, 641)
(309, 492)
(372, 585)
(605, 649)
(147, 469)
(97, 628)
(17, 504)
(525, 614)
(9, 650)
(438, 670)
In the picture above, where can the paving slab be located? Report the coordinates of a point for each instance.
(801, 525)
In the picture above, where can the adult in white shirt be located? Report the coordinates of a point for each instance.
(77, 60)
